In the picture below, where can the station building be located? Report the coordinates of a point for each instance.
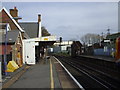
(14, 35)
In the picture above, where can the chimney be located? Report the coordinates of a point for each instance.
(39, 26)
(14, 14)
(39, 17)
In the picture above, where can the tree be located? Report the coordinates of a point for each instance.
(45, 31)
(90, 38)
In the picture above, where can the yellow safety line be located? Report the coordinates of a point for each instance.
(51, 76)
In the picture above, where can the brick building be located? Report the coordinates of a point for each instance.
(10, 42)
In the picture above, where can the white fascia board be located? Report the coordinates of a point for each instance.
(12, 19)
(47, 38)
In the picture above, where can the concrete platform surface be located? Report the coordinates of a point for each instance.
(45, 74)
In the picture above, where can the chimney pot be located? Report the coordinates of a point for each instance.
(15, 8)
(39, 17)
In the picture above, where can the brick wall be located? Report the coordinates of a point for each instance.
(4, 18)
(9, 49)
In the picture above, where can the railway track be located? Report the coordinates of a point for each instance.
(88, 76)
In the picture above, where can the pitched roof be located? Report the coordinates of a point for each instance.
(11, 37)
(12, 19)
(31, 28)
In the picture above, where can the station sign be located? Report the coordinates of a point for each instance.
(46, 39)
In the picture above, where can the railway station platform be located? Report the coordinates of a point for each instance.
(48, 73)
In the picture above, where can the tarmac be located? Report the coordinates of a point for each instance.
(48, 73)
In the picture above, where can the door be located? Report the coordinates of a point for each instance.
(29, 48)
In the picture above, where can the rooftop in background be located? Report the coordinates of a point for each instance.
(113, 36)
(31, 28)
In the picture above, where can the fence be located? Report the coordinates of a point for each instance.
(103, 52)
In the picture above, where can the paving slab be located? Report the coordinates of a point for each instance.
(36, 76)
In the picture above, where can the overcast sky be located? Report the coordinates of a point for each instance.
(71, 20)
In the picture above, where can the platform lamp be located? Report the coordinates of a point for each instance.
(5, 50)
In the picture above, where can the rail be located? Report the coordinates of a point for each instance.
(96, 75)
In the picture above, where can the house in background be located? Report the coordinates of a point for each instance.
(107, 47)
(72, 48)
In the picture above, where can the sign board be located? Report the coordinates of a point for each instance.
(45, 39)
(28, 52)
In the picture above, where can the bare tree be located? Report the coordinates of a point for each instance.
(90, 38)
